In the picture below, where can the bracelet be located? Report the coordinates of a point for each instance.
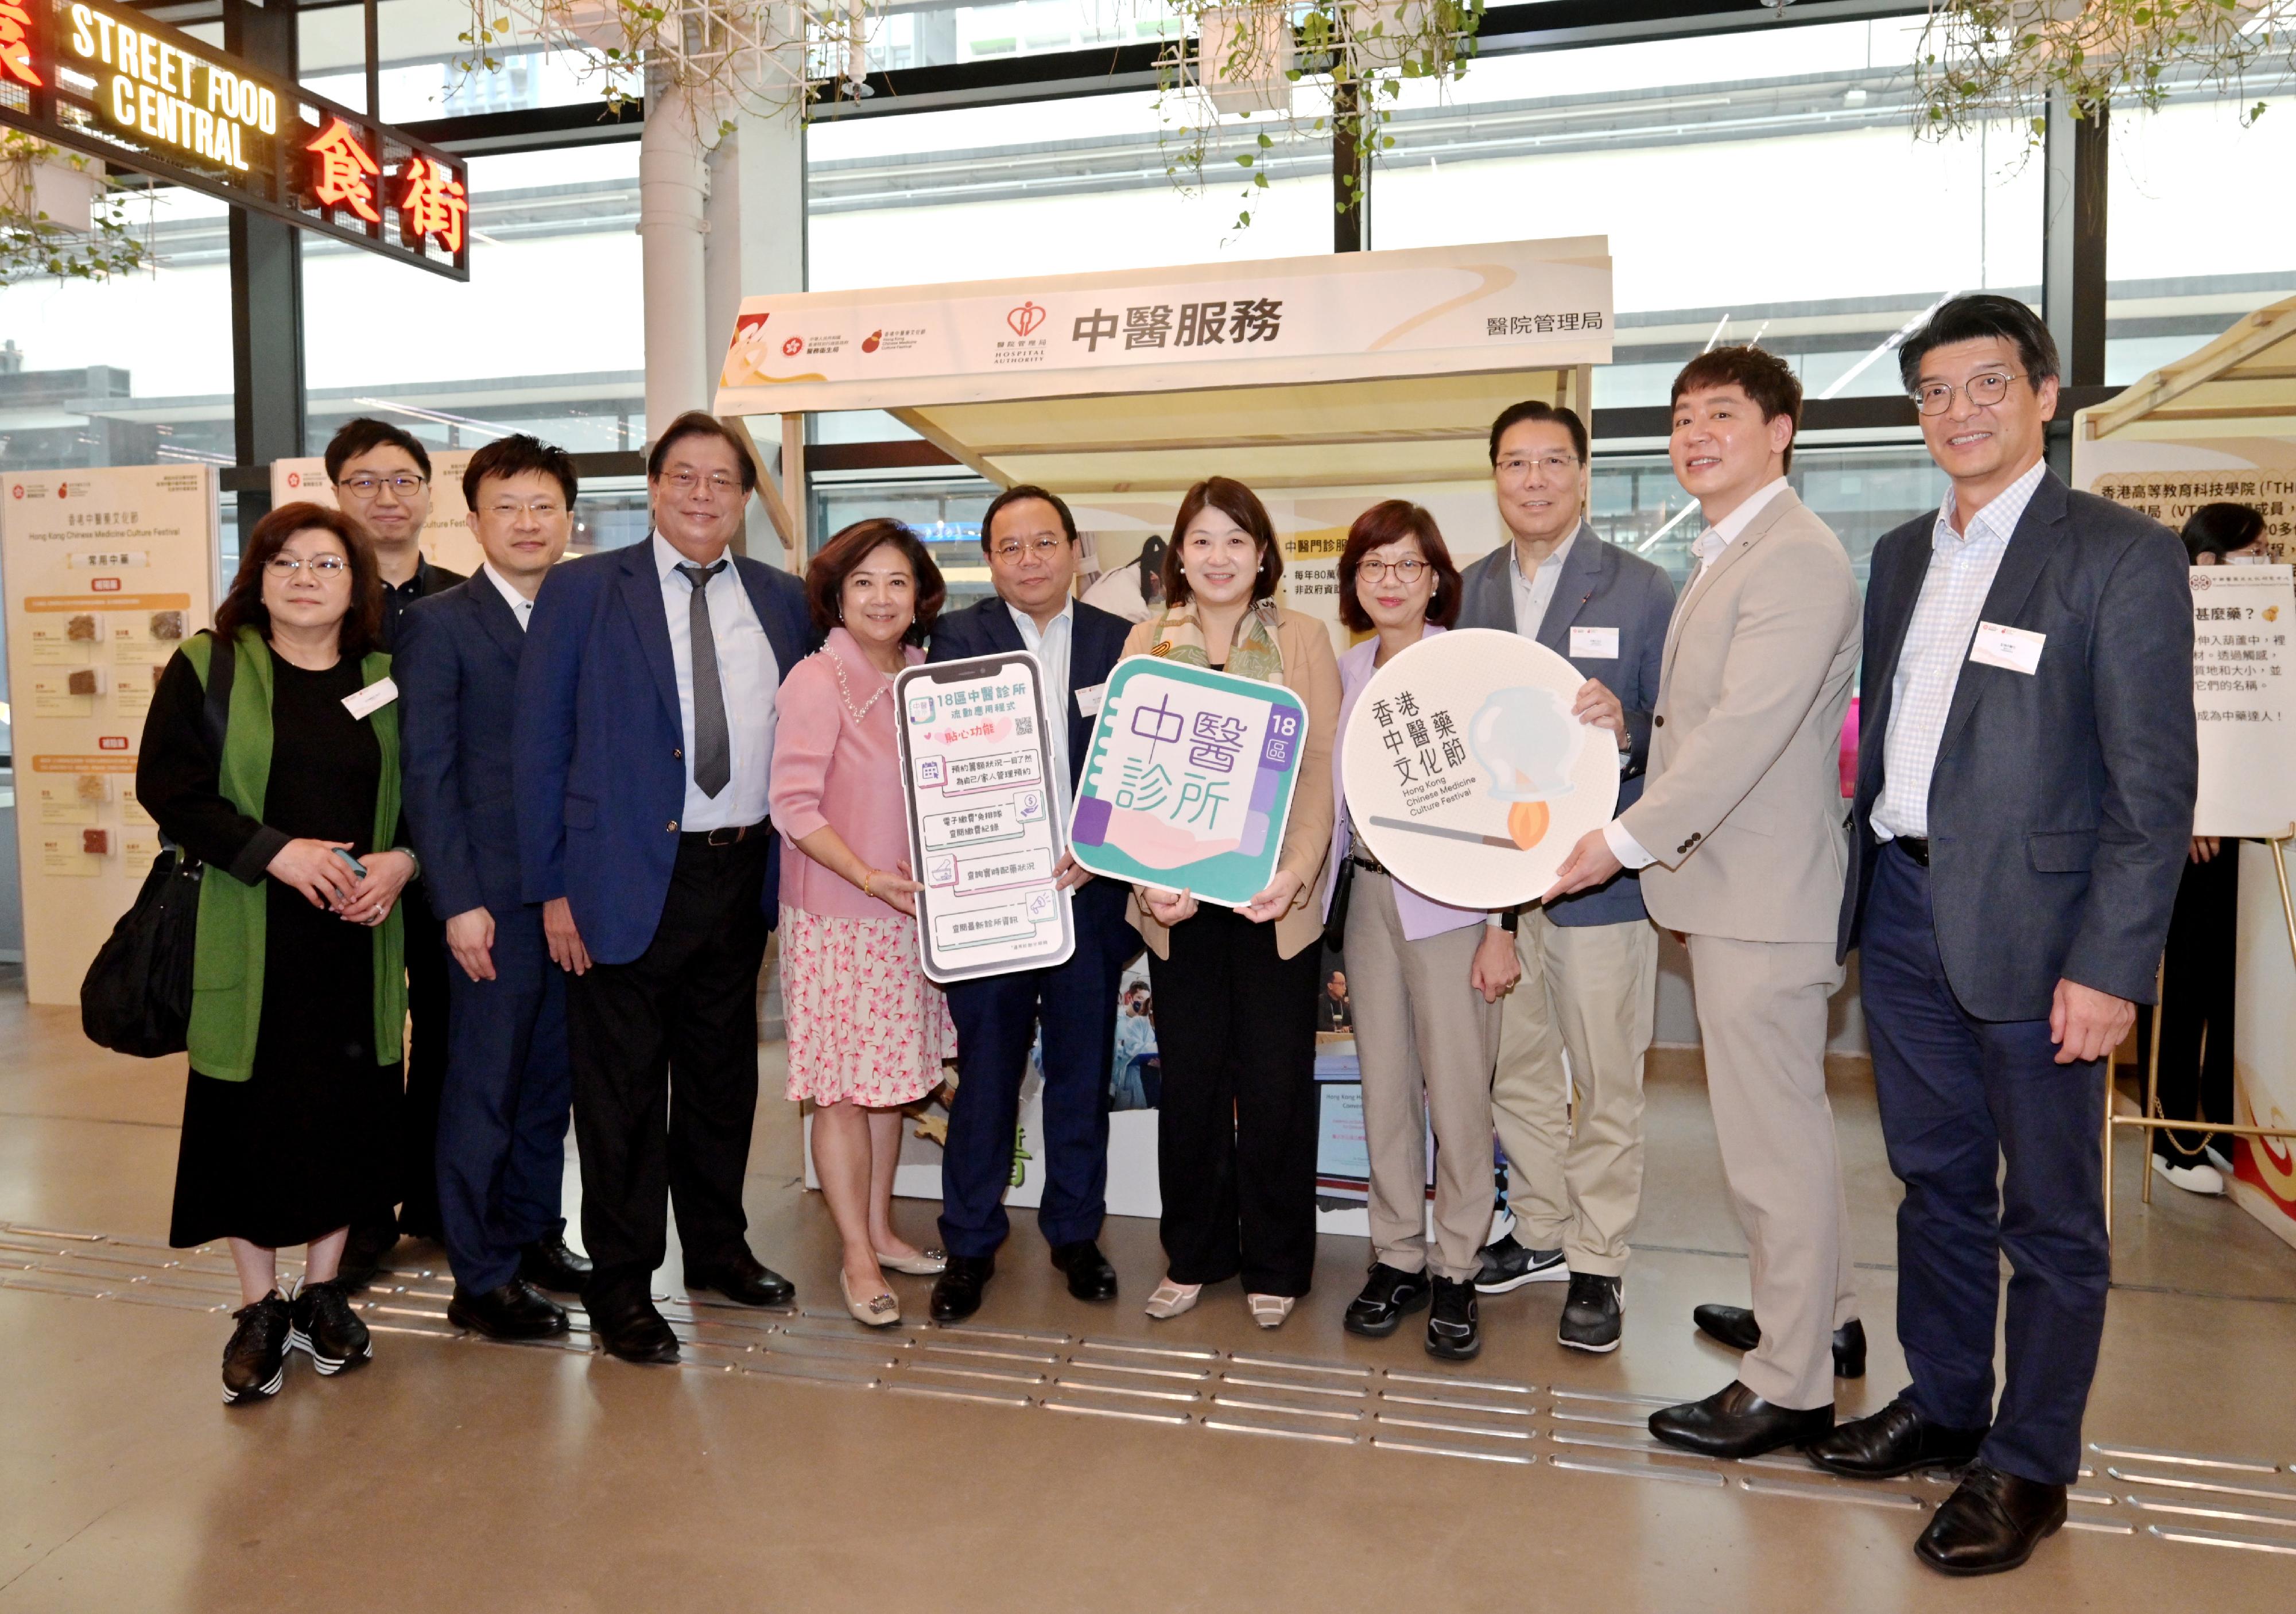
(867, 877)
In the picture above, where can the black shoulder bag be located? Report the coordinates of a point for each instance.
(137, 996)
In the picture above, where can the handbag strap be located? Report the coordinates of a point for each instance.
(215, 712)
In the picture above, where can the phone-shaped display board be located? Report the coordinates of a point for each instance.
(985, 835)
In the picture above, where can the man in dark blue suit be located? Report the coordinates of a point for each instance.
(2027, 767)
(501, 1146)
(1030, 539)
(644, 754)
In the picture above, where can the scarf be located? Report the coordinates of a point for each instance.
(1179, 636)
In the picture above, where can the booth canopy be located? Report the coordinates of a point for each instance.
(2242, 383)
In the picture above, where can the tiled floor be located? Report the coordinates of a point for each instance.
(1049, 1455)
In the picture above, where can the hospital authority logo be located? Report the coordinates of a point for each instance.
(1025, 319)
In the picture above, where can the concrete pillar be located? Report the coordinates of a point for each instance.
(673, 195)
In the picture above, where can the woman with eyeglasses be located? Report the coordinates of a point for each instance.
(1423, 981)
(298, 993)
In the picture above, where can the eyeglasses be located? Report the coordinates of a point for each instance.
(322, 566)
(1013, 549)
(1406, 572)
(721, 485)
(510, 509)
(1554, 464)
(366, 486)
(1983, 392)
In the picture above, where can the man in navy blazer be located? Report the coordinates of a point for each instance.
(500, 1145)
(1030, 540)
(1590, 961)
(2027, 768)
(644, 752)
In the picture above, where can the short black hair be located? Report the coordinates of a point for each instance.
(2218, 529)
(516, 455)
(1974, 317)
(366, 434)
(700, 422)
(1768, 381)
(1014, 496)
(1532, 409)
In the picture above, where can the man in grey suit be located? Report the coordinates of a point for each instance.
(1589, 961)
(2025, 790)
(1739, 835)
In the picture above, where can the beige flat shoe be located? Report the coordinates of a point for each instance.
(924, 1263)
(1270, 1310)
(878, 1311)
(1170, 1299)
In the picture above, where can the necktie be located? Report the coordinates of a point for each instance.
(713, 755)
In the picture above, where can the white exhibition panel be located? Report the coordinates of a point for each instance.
(107, 572)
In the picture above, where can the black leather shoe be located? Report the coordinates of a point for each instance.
(516, 1310)
(255, 1361)
(1734, 1421)
(1735, 1327)
(956, 1293)
(634, 1331)
(1896, 1440)
(1594, 1314)
(1454, 1331)
(370, 1240)
(549, 1263)
(1992, 1522)
(745, 1280)
(1090, 1276)
(1389, 1296)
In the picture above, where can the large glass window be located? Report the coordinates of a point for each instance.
(421, 74)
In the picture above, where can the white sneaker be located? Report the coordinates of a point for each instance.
(2217, 1158)
(2199, 1177)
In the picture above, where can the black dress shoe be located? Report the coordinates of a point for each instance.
(1090, 1276)
(1454, 1332)
(1734, 1421)
(634, 1331)
(370, 1240)
(745, 1280)
(1991, 1523)
(516, 1310)
(1896, 1440)
(1390, 1295)
(548, 1264)
(1735, 1327)
(956, 1293)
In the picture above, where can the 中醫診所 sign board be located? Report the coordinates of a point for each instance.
(1189, 782)
(984, 819)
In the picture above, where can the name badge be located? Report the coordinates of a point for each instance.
(1594, 642)
(1088, 700)
(372, 697)
(2018, 649)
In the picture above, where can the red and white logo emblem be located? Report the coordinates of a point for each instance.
(1025, 318)
(792, 347)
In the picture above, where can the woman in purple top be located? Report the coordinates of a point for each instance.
(867, 1031)
(1423, 981)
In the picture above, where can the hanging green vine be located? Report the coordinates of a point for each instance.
(33, 244)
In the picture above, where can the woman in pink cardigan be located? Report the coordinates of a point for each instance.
(867, 1031)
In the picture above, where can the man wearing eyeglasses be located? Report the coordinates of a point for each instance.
(1589, 961)
(2025, 784)
(382, 478)
(1030, 540)
(643, 754)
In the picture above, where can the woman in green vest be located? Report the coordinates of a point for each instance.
(298, 991)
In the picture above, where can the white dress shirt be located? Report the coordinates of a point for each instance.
(520, 607)
(747, 675)
(1962, 566)
(1716, 538)
(1533, 594)
(1050, 645)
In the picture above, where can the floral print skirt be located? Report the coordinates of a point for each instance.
(864, 1024)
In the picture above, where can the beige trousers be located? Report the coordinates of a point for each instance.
(1575, 1171)
(1425, 1039)
(1761, 1017)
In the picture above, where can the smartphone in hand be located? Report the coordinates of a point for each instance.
(356, 867)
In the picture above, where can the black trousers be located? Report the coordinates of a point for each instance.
(2196, 998)
(1236, 1135)
(427, 1044)
(664, 1056)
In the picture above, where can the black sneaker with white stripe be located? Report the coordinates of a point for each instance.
(255, 1361)
(1508, 1265)
(1593, 1313)
(327, 1330)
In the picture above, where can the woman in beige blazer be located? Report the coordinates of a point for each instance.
(1235, 990)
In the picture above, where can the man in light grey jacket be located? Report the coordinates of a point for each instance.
(1589, 961)
(1739, 835)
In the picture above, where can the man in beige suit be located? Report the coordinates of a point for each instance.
(1739, 835)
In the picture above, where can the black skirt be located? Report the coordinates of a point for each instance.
(306, 1143)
